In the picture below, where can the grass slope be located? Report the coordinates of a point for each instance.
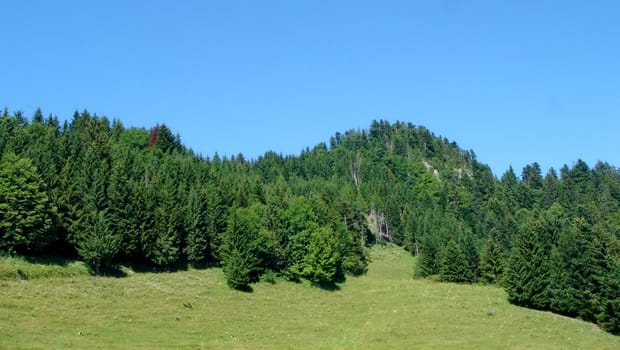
(194, 309)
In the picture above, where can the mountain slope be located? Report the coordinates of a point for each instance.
(384, 309)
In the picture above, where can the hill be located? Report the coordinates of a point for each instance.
(109, 195)
(385, 309)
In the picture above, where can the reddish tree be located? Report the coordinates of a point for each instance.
(153, 138)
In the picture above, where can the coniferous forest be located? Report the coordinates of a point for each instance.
(93, 189)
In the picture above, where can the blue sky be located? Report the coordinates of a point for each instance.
(516, 81)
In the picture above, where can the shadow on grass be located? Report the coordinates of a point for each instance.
(245, 289)
(50, 265)
(109, 271)
(328, 286)
(51, 260)
(146, 268)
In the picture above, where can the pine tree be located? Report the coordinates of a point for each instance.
(124, 205)
(165, 249)
(97, 242)
(215, 221)
(472, 256)
(100, 245)
(492, 265)
(197, 249)
(38, 116)
(454, 266)
(430, 249)
(551, 189)
(322, 259)
(25, 210)
(527, 272)
(239, 251)
(609, 315)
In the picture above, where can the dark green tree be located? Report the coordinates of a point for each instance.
(428, 259)
(99, 245)
(552, 189)
(240, 251)
(470, 250)
(25, 210)
(527, 272)
(493, 262)
(322, 259)
(453, 266)
(198, 244)
(609, 316)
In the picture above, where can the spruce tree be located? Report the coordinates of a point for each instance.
(25, 210)
(239, 251)
(322, 259)
(609, 315)
(493, 263)
(453, 266)
(197, 246)
(580, 271)
(527, 272)
(215, 221)
(472, 256)
(99, 245)
(428, 259)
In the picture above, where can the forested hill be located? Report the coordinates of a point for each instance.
(92, 188)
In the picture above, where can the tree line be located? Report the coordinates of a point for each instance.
(94, 189)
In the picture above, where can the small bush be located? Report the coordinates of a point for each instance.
(268, 277)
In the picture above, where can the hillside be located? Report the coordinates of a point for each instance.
(384, 309)
(94, 190)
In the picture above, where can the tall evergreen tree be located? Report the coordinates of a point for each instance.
(454, 266)
(609, 316)
(239, 251)
(99, 245)
(472, 257)
(322, 259)
(25, 210)
(527, 272)
(493, 263)
(196, 222)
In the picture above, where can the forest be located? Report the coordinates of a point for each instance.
(92, 189)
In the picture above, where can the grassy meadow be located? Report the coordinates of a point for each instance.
(63, 307)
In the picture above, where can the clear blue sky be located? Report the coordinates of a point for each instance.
(516, 81)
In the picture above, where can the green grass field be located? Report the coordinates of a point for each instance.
(386, 309)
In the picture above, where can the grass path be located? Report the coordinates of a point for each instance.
(386, 309)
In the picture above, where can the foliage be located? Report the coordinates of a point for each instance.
(240, 249)
(100, 245)
(25, 211)
(527, 273)
(454, 266)
(493, 264)
(322, 259)
(91, 187)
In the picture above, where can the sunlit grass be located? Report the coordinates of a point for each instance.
(22, 268)
(386, 309)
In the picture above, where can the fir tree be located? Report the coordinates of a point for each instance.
(527, 272)
(492, 265)
(454, 266)
(609, 315)
(472, 256)
(195, 227)
(322, 259)
(25, 210)
(240, 249)
(428, 259)
(100, 245)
